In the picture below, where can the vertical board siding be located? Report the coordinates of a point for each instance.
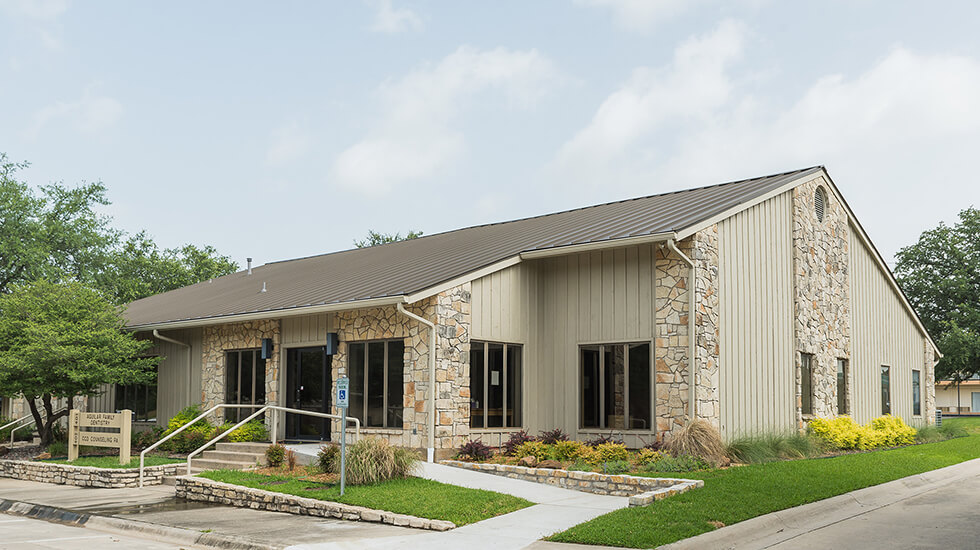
(607, 296)
(756, 368)
(499, 306)
(882, 333)
(306, 330)
(177, 386)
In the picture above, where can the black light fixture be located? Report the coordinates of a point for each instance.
(332, 341)
(266, 348)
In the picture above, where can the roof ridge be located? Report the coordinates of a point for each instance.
(577, 209)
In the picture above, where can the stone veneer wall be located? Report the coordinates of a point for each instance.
(451, 312)
(928, 383)
(822, 294)
(206, 490)
(672, 346)
(83, 476)
(234, 336)
(641, 490)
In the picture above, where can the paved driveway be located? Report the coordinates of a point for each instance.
(18, 533)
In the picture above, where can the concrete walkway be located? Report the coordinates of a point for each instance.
(936, 509)
(555, 510)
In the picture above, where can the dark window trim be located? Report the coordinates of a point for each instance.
(236, 414)
(886, 405)
(626, 380)
(916, 392)
(843, 368)
(384, 382)
(806, 383)
(486, 383)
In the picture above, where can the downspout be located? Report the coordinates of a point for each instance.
(691, 340)
(432, 378)
(190, 369)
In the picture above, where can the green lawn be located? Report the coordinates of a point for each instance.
(744, 492)
(413, 496)
(113, 461)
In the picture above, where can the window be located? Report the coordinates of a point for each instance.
(806, 383)
(617, 387)
(495, 385)
(916, 394)
(842, 386)
(886, 391)
(819, 202)
(244, 382)
(139, 398)
(377, 390)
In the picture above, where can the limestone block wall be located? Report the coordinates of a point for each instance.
(84, 476)
(928, 383)
(822, 293)
(704, 254)
(234, 336)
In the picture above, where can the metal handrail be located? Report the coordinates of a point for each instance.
(275, 425)
(29, 420)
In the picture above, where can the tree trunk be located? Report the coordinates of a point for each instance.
(45, 428)
(38, 421)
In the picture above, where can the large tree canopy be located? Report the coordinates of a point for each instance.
(57, 233)
(941, 276)
(62, 340)
(374, 238)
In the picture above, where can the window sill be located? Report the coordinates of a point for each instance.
(495, 430)
(601, 431)
(383, 431)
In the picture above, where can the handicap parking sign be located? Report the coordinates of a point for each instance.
(343, 386)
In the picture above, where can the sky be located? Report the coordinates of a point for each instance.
(277, 130)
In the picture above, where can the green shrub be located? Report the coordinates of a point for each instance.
(253, 430)
(581, 466)
(567, 450)
(328, 458)
(275, 454)
(374, 460)
(682, 463)
(616, 467)
(605, 452)
(768, 447)
(646, 456)
(58, 449)
(951, 430)
(537, 449)
(186, 415)
(143, 439)
(187, 441)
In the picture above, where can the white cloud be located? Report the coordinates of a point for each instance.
(690, 90)
(640, 14)
(389, 19)
(288, 143)
(88, 114)
(35, 9)
(416, 138)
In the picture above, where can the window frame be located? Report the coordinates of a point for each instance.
(235, 414)
(366, 381)
(916, 392)
(843, 366)
(486, 384)
(651, 359)
(885, 372)
(806, 383)
(141, 391)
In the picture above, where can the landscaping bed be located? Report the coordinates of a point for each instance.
(736, 494)
(409, 502)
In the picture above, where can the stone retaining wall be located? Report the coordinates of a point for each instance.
(206, 490)
(641, 490)
(85, 476)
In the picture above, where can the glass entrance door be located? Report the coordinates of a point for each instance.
(307, 388)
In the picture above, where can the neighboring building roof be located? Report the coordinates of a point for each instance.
(398, 269)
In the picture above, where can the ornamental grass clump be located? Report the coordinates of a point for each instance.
(756, 449)
(375, 460)
(699, 439)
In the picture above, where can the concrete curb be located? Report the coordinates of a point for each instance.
(784, 525)
(176, 535)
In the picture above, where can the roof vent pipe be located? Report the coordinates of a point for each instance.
(263, 286)
(249, 260)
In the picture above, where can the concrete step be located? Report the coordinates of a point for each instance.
(257, 448)
(207, 464)
(235, 456)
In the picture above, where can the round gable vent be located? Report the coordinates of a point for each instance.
(819, 202)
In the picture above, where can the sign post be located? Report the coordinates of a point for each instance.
(343, 400)
(118, 440)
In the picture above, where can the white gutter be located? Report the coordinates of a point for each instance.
(190, 370)
(432, 378)
(691, 288)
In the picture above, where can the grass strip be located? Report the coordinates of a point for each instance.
(113, 461)
(737, 494)
(414, 496)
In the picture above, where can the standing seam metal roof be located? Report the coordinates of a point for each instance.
(411, 266)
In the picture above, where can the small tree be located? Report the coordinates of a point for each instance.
(60, 341)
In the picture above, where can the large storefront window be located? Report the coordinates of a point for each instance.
(244, 382)
(617, 387)
(496, 385)
(377, 390)
(139, 398)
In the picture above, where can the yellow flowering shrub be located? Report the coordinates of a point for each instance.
(646, 456)
(536, 449)
(607, 452)
(567, 450)
(844, 433)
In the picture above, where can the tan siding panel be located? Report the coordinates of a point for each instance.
(756, 376)
(499, 306)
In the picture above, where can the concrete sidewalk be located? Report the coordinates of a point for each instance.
(903, 513)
